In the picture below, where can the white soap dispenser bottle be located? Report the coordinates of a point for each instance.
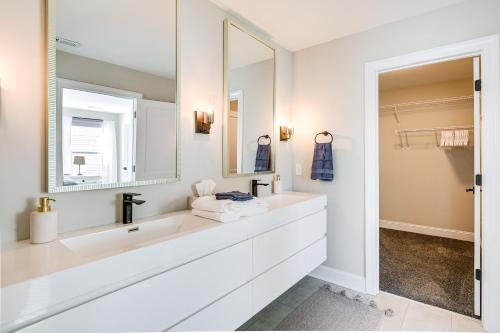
(277, 187)
(43, 223)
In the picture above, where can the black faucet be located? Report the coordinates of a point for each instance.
(255, 184)
(128, 200)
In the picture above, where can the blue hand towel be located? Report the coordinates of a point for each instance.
(263, 158)
(234, 196)
(322, 166)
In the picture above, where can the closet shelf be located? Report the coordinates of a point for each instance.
(413, 106)
(433, 129)
(437, 132)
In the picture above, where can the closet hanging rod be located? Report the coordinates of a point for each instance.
(437, 101)
(434, 129)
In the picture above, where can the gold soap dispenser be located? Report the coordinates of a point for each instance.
(43, 223)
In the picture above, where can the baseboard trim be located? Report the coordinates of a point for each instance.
(338, 277)
(427, 230)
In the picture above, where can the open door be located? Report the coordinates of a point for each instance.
(477, 186)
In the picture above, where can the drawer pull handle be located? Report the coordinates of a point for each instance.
(133, 229)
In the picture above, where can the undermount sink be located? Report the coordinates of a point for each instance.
(284, 199)
(125, 237)
(120, 238)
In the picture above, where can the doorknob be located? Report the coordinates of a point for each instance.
(470, 190)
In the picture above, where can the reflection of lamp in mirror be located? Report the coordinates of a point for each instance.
(286, 132)
(79, 160)
(203, 120)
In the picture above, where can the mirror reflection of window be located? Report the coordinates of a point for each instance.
(97, 145)
(86, 147)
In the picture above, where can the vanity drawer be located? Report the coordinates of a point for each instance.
(227, 314)
(273, 247)
(159, 302)
(268, 286)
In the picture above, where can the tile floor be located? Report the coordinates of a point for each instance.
(408, 315)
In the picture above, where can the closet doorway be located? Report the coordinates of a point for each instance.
(429, 184)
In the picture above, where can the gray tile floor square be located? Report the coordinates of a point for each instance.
(272, 315)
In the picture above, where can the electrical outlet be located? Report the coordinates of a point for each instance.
(298, 169)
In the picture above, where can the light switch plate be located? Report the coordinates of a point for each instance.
(298, 169)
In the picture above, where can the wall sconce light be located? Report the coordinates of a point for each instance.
(286, 132)
(203, 120)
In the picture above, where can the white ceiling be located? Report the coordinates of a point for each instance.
(298, 24)
(130, 33)
(245, 50)
(83, 100)
(428, 74)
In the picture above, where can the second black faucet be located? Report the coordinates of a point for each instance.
(255, 185)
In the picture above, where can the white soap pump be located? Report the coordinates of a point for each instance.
(43, 223)
(277, 187)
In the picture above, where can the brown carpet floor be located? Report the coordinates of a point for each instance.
(433, 270)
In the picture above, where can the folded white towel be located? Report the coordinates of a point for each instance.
(251, 207)
(211, 204)
(205, 187)
(216, 216)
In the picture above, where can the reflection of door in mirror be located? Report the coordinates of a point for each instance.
(235, 131)
(156, 144)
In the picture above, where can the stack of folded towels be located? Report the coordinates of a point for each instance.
(228, 206)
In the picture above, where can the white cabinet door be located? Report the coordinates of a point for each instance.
(227, 314)
(159, 302)
(268, 286)
(274, 246)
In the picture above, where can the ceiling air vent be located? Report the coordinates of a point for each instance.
(67, 42)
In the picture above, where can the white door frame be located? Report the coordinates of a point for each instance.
(488, 49)
(238, 95)
(476, 68)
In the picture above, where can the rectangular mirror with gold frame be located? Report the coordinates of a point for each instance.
(113, 93)
(249, 103)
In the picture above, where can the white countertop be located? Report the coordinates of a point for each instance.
(23, 261)
(39, 280)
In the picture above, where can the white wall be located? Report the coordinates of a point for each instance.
(328, 95)
(22, 121)
(78, 68)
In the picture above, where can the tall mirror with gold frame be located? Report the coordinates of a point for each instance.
(249, 103)
(113, 93)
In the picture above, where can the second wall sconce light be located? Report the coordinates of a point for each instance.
(203, 121)
(286, 132)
